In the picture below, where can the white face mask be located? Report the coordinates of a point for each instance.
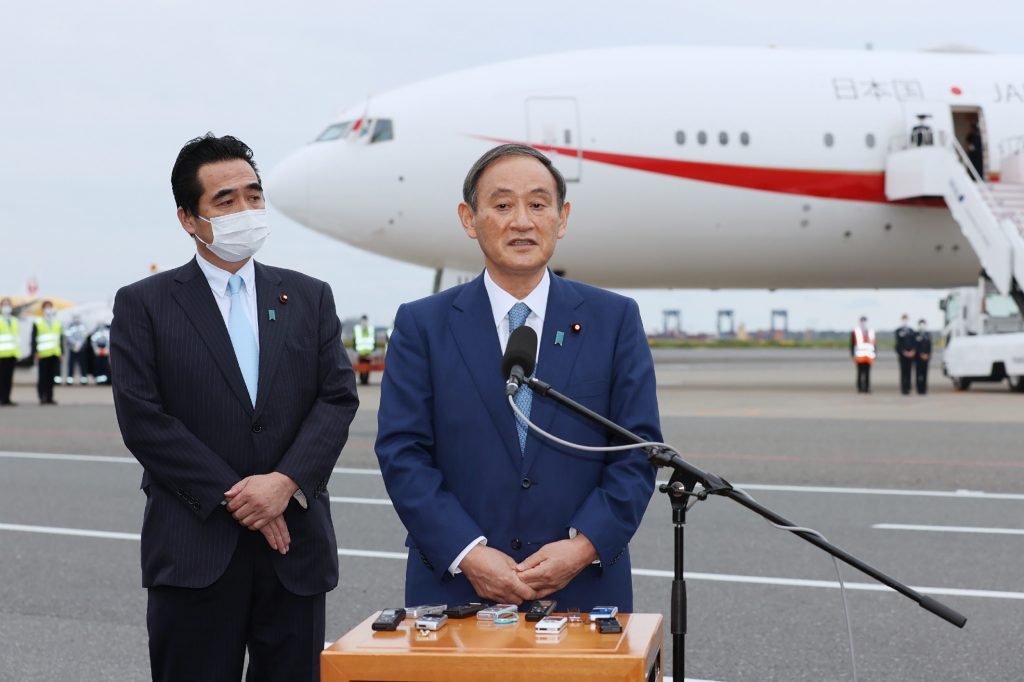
(239, 235)
(6, 310)
(49, 313)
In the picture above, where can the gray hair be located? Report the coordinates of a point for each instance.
(469, 187)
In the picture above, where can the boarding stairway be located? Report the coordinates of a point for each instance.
(990, 214)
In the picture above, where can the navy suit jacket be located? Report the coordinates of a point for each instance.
(185, 414)
(450, 455)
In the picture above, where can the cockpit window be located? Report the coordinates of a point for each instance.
(334, 131)
(366, 130)
(382, 131)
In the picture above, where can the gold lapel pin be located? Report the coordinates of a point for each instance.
(576, 327)
(283, 298)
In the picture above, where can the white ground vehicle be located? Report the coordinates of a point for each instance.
(984, 336)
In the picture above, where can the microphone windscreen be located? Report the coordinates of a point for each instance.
(521, 350)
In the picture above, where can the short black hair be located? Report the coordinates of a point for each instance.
(503, 151)
(197, 153)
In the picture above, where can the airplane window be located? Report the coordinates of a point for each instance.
(568, 136)
(702, 137)
(829, 140)
(869, 140)
(383, 131)
(744, 139)
(723, 138)
(680, 137)
(334, 131)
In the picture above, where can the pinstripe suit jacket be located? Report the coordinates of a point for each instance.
(185, 414)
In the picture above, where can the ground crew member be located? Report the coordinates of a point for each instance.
(905, 350)
(99, 340)
(8, 350)
(365, 342)
(74, 342)
(47, 343)
(923, 346)
(862, 350)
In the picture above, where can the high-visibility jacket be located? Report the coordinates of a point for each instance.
(364, 339)
(48, 338)
(864, 345)
(8, 337)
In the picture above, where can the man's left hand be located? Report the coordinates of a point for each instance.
(256, 500)
(554, 565)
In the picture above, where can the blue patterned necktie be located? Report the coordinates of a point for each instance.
(524, 396)
(242, 338)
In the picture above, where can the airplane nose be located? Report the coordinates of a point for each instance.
(288, 189)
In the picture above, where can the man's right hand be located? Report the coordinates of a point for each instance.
(276, 533)
(493, 576)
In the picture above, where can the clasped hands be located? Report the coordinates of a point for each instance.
(258, 503)
(497, 577)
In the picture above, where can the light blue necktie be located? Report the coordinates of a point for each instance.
(524, 396)
(242, 338)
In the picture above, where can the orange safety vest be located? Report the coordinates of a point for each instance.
(863, 348)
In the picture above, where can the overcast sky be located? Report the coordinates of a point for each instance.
(98, 98)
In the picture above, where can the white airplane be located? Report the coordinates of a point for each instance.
(687, 167)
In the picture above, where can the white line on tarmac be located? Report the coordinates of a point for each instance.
(713, 577)
(361, 500)
(797, 582)
(111, 459)
(352, 471)
(372, 554)
(950, 529)
(78, 532)
(961, 494)
(75, 458)
(357, 472)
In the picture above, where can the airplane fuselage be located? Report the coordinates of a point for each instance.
(687, 167)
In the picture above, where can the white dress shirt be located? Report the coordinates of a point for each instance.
(218, 280)
(501, 303)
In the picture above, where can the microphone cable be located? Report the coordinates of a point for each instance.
(648, 444)
(839, 577)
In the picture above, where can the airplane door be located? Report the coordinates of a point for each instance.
(553, 125)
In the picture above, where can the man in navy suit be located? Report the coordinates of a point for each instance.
(232, 391)
(494, 512)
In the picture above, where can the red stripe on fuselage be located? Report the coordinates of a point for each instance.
(827, 184)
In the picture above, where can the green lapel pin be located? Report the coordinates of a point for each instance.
(271, 315)
(559, 337)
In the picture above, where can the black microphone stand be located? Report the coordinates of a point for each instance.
(681, 486)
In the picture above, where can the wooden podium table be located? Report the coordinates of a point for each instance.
(468, 649)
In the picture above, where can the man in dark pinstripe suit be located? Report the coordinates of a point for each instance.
(233, 392)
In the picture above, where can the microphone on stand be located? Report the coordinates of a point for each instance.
(520, 358)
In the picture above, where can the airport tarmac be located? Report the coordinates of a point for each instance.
(929, 489)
